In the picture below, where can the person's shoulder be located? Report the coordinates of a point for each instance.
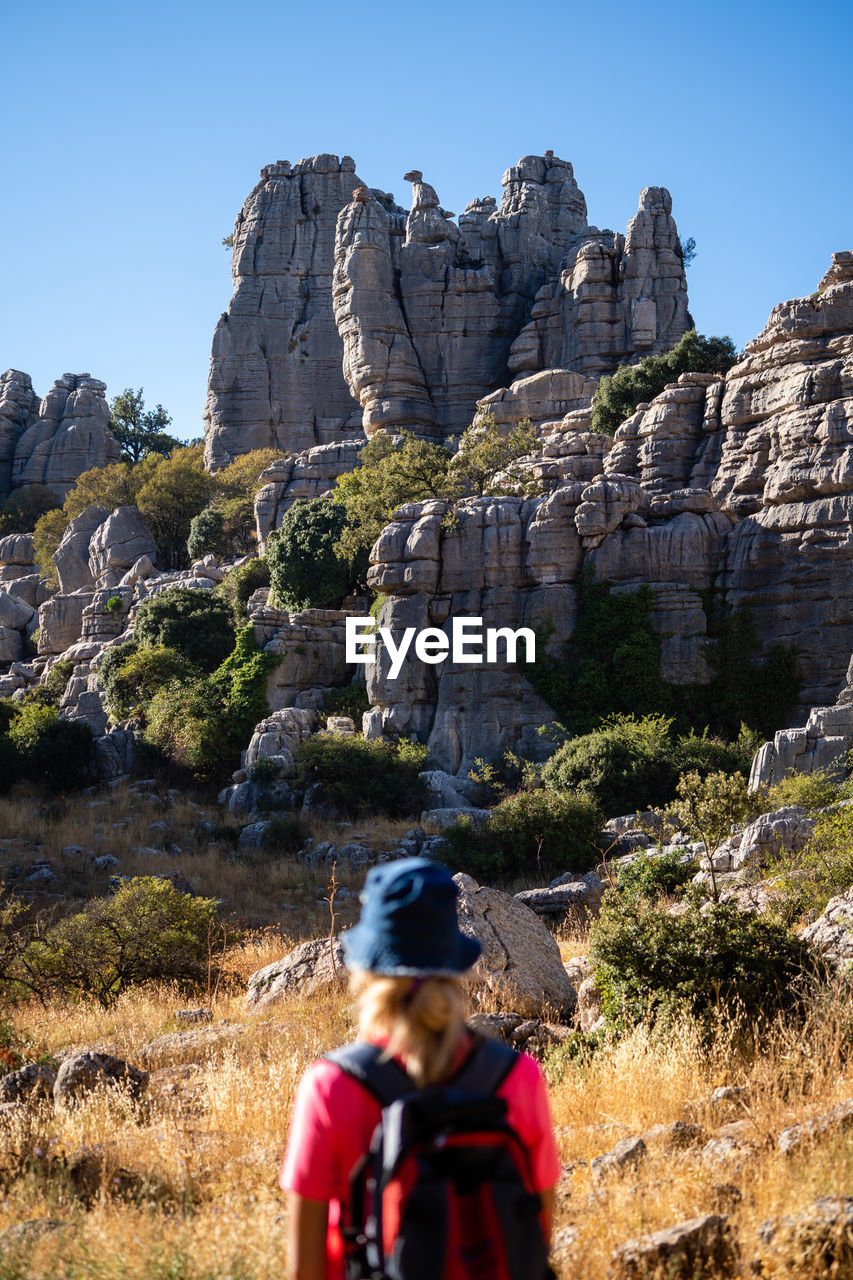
(525, 1074)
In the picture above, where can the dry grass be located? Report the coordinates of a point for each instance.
(210, 1147)
(207, 1142)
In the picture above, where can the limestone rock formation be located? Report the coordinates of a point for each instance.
(70, 435)
(117, 544)
(520, 960)
(18, 411)
(71, 557)
(275, 366)
(310, 474)
(433, 315)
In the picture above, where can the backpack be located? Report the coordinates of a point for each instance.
(444, 1192)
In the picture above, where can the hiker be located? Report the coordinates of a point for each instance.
(461, 1179)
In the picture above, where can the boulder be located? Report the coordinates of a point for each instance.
(816, 1241)
(27, 1083)
(839, 1119)
(83, 1073)
(698, 1249)
(575, 897)
(117, 544)
(832, 933)
(303, 972)
(520, 960)
(71, 434)
(72, 555)
(590, 1004)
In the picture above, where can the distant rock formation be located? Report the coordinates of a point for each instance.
(275, 365)
(350, 312)
(52, 441)
(741, 485)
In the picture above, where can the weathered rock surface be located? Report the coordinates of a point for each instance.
(70, 435)
(576, 897)
(84, 1072)
(18, 411)
(276, 738)
(304, 971)
(117, 544)
(72, 555)
(275, 365)
(832, 932)
(817, 1240)
(520, 959)
(432, 313)
(27, 1083)
(698, 1249)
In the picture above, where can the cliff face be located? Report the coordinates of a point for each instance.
(275, 365)
(350, 312)
(741, 484)
(54, 440)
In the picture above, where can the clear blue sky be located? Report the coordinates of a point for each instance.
(133, 133)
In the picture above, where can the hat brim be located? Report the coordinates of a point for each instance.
(363, 950)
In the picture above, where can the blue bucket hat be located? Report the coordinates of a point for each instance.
(408, 924)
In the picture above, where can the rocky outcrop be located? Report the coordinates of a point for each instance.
(275, 364)
(70, 435)
(312, 654)
(71, 557)
(117, 544)
(520, 960)
(433, 314)
(18, 411)
(310, 474)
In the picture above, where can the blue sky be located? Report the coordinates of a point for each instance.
(132, 134)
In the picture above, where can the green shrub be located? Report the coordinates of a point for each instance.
(130, 676)
(357, 776)
(196, 623)
(811, 791)
(46, 750)
(203, 723)
(650, 964)
(653, 878)
(241, 583)
(115, 604)
(284, 835)
(619, 394)
(541, 833)
(264, 771)
(49, 692)
(206, 533)
(349, 700)
(147, 931)
(503, 776)
(707, 753)
(744, 689)
(305, 570)
(818, 872)
(22, 510)
(625, 765)
(707, 808)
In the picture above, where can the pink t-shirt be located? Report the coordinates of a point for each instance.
(334, 1118)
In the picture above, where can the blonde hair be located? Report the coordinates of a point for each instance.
(421, 1018)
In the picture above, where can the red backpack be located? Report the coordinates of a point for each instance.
(444, 1192)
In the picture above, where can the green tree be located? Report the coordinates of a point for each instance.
(707, 809)
(306, 570)
(195, 623)
(487, 458)
(206, 533)
(619, 394)
(146, 931)
(174, 491)
(23, 508)
(140, 432)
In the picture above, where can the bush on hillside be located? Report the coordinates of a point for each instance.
(201, 724)
(206, 533)
(535, 833)
(820, 871)
(147, 931)
(356, 776)
(241, 583)
(654, 877)
(619, 394)
(625, 765)
(652, 965)
(21, 511)
(49, 692)
(306, 572)
(348, 700)
(195, 623)
(131, 676)
(37, 746)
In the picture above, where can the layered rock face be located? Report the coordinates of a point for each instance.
(350, 311)
(739, 486)
(433, 315)
(69, 434)
(18, 411)
(275, 366)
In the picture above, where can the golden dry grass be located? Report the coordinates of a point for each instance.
(207, 1141)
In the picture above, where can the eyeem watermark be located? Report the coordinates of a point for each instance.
(468, 643)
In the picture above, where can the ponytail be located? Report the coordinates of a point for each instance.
(421, 1018)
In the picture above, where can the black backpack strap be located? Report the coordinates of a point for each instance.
(382, 1077)
(486, 1067)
